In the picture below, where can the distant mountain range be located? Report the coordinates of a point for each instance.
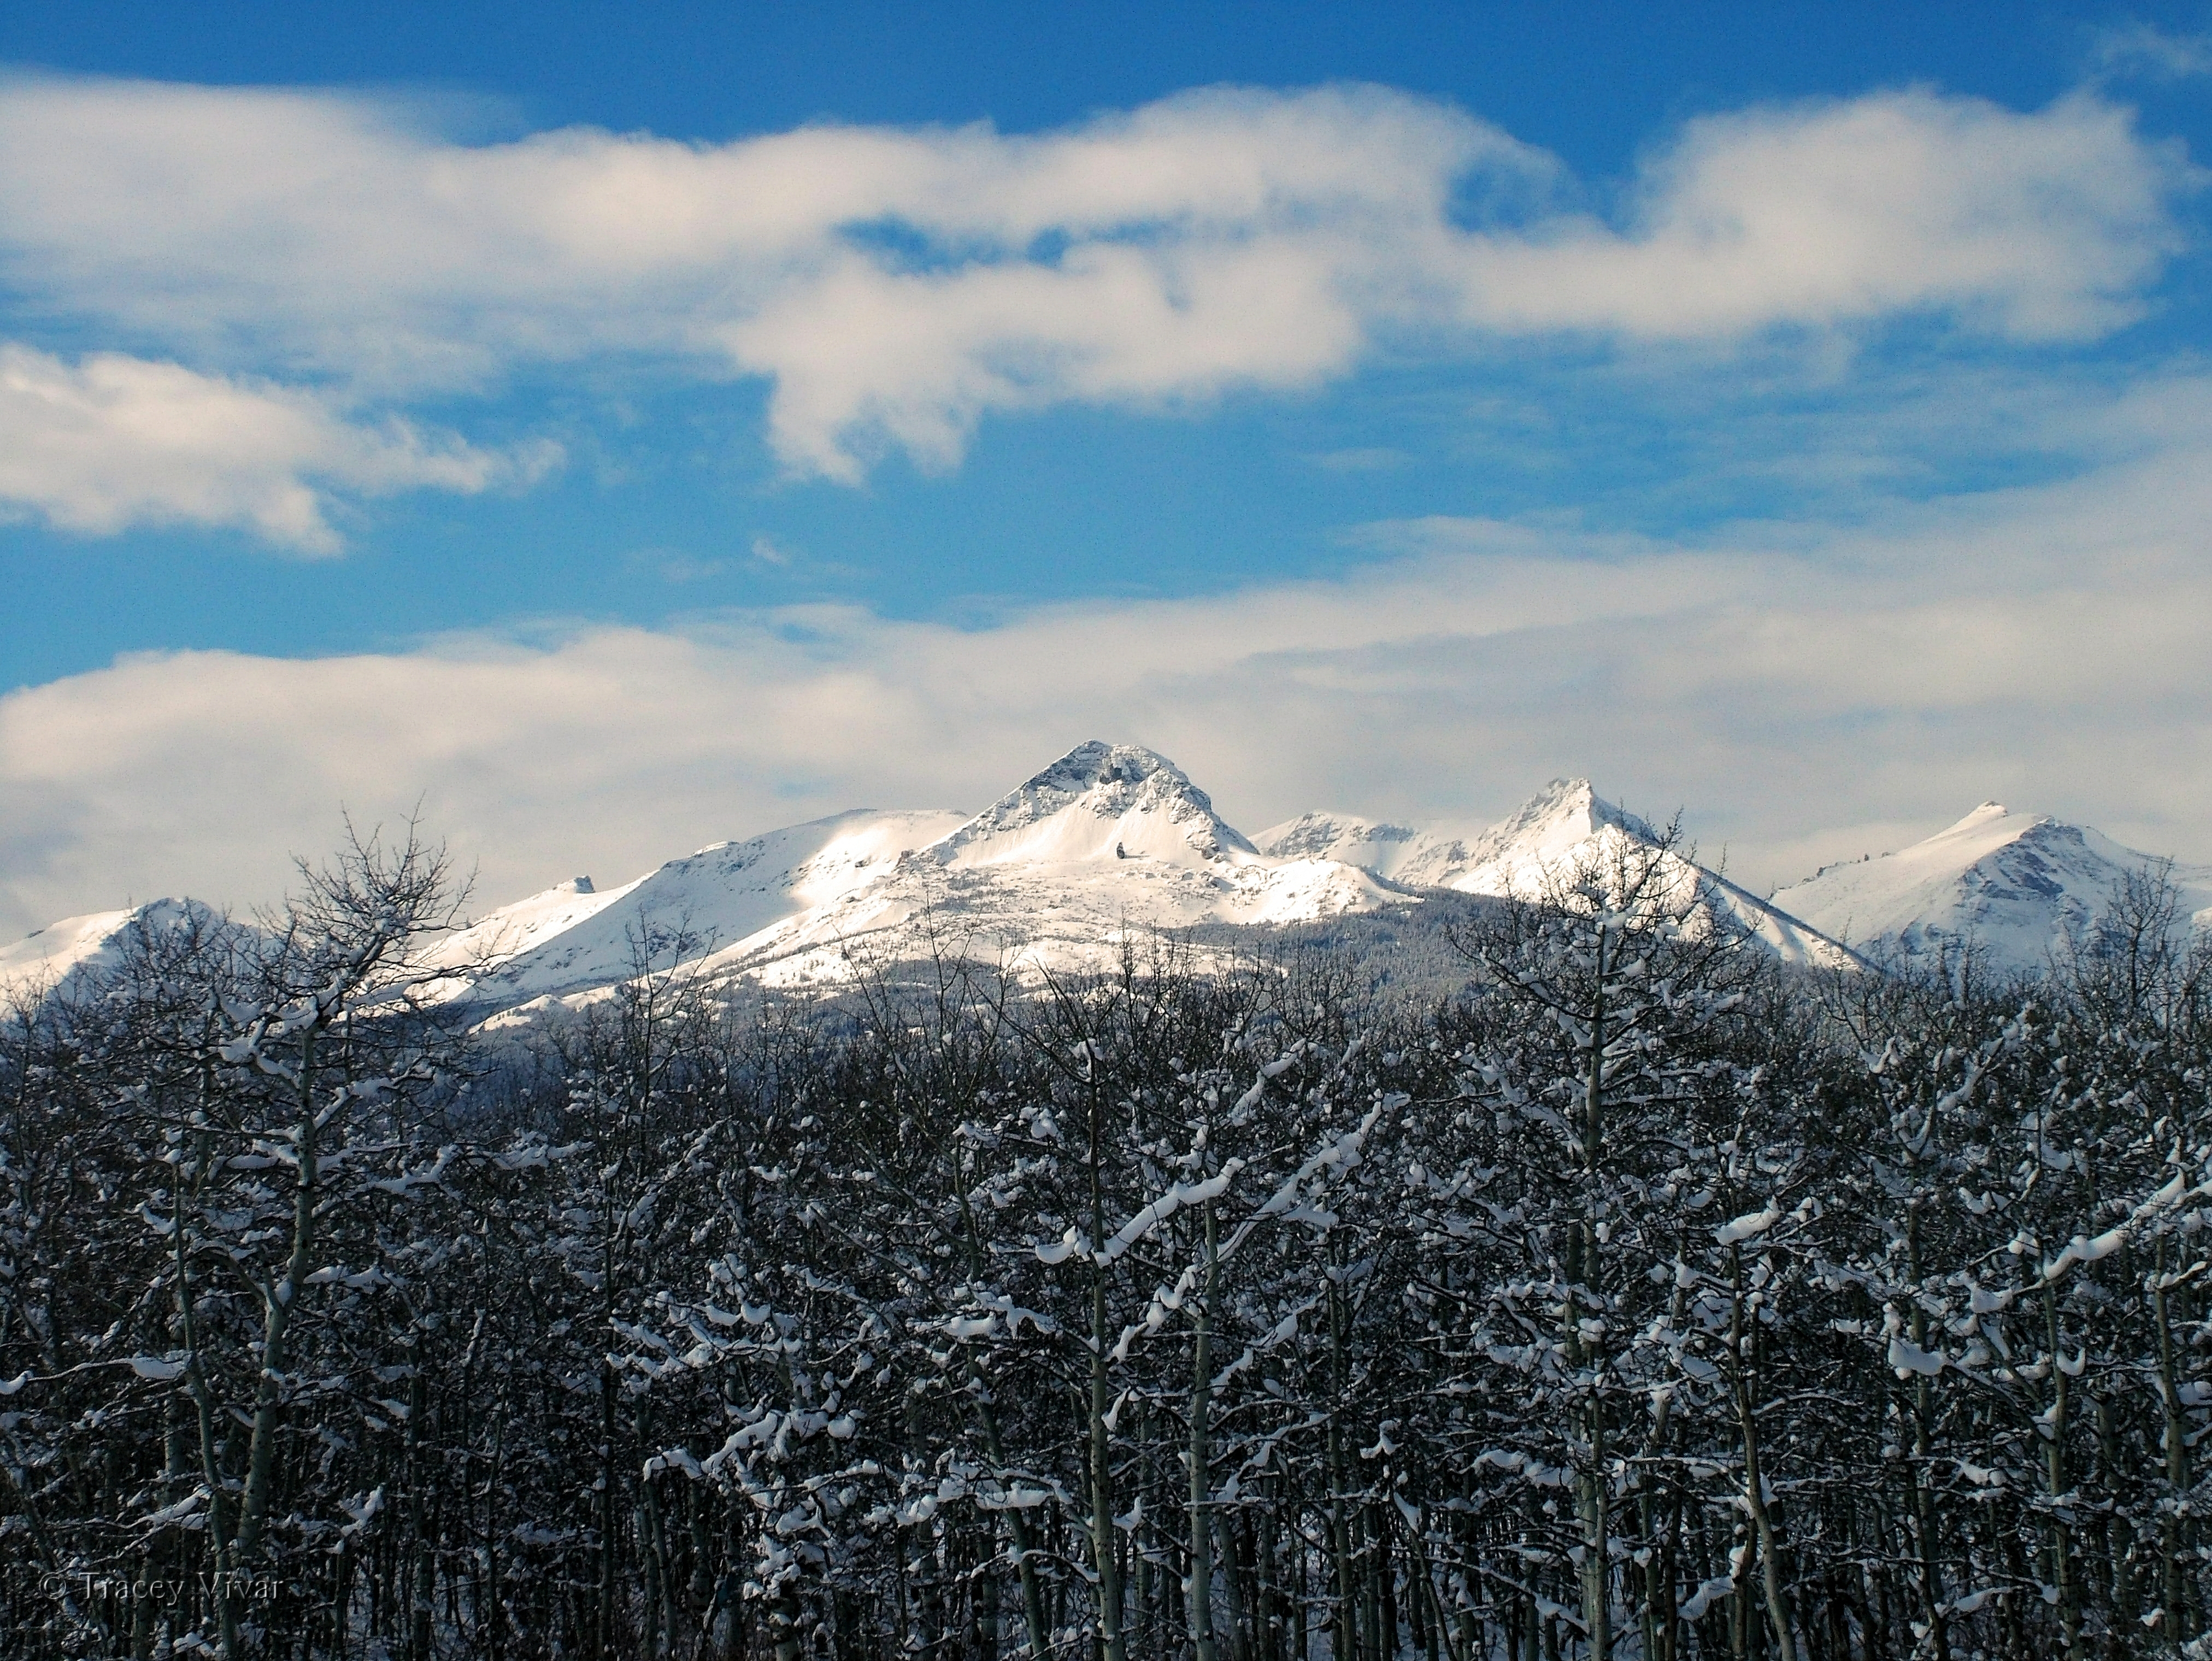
(1114, 841)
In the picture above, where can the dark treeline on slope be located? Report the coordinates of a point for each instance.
(1638, 1299)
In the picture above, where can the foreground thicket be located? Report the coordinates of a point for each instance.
(1643, 1300)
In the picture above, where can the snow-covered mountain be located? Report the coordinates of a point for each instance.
(1398, 853)
(64, 954)
(2019, 887)
(1564, 822)
(1115, 842)
(1107, 841)
(717, 902)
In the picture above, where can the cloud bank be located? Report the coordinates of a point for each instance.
(113, 441)
(1808, 692)
(897, 285)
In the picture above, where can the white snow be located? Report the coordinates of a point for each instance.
(2018, 886)
(1564, 823)
(1102, 847)
(1105, 846)
(44, 958)
(563, 941)
(512, 930)
(1110, 843)
(1398, 854)
(49, 959)
(1099, 803)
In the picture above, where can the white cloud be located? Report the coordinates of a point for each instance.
(2144, 48)
(1807, 692)
(2030, 226)
(898, 284)
(114, 441)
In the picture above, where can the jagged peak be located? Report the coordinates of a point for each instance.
(1095, 761)
(1096, 781)
(1095, 768)
(1566, 802)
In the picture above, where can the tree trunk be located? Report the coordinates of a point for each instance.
(1925, 1543)
(222, 1520)
(1199, 1597)
(1741, 1345)
(2173, 1596)
(1240, 1631)
(1585, 1274)
(2054, 1455)
(1343, 1639)
(278, 1301)
(1105, 1558)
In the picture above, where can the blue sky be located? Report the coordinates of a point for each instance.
(618, 427)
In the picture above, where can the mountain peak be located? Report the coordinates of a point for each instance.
(1095, 761)
(1547, 828)
(1100, 801)
(1568, 806)
(2018, 888)
(1988, 814)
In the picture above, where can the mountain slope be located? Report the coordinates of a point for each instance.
(1109, 842)
(63, 955)
(2018, 886)
(1106, 842)
(1398, 853)
(1512, 856)
(1100, 802)
(1564, 823)
(569, 939)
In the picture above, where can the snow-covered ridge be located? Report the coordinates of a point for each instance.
(1110, 842)
(2018, 887)
(565, 941)
(1511, 856)
(1398, 853)
(62, 954)
(1564, 823)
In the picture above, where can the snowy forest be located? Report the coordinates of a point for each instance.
(1630, 1295)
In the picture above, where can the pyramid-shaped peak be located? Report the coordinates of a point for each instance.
(1096, 762)
(1567, 804)
(1566, 795)
(1102, 774)
(1093, 800)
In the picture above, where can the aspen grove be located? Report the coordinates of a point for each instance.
(1635, 1296)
